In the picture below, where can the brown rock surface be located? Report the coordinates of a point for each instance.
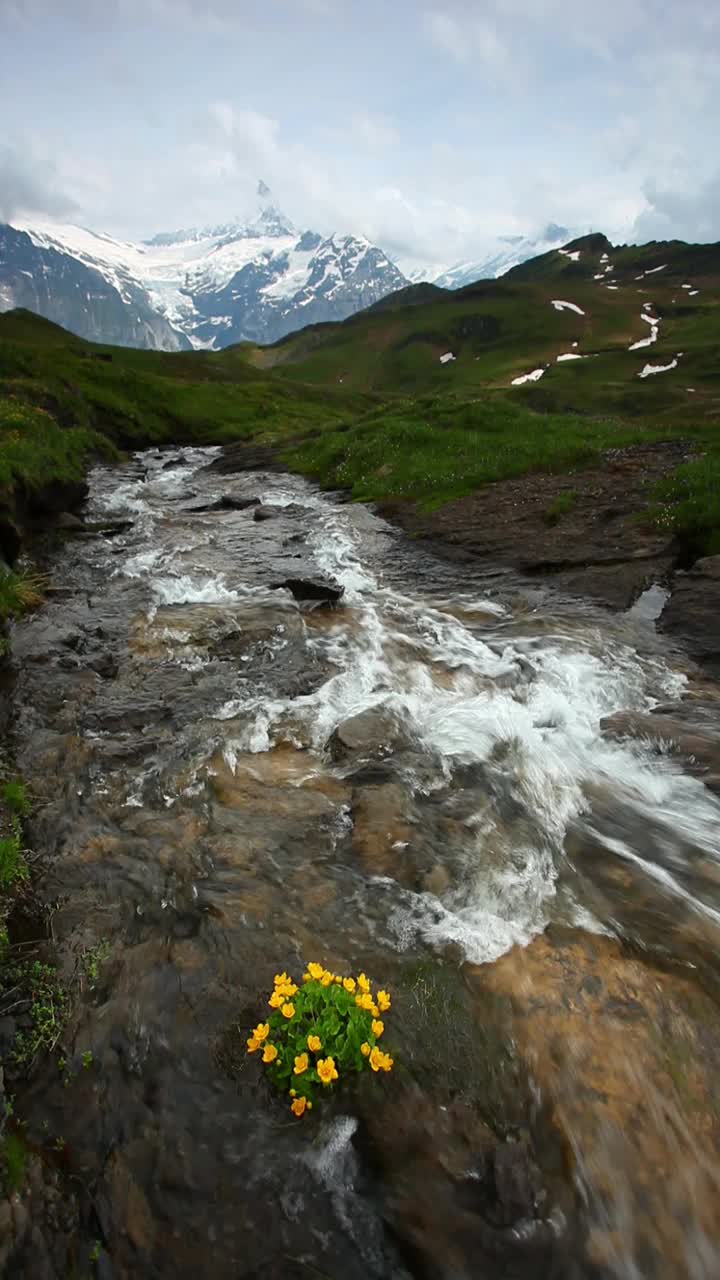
(625, 1054)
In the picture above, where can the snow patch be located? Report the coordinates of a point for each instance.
(567, 306)
(652, 270)
(572, 254)
(528, 377)
(657, 368)
(569, 355)
(447, 357)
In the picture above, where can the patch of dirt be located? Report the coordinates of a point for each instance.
(600, 548)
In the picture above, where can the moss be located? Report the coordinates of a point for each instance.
(13, 1159)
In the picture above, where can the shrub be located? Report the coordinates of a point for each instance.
(13, 866)
(320, 1033)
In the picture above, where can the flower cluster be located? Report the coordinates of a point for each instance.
(319, 1032)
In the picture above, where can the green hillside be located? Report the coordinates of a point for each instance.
(502, 329)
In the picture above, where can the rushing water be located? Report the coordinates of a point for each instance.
(180, 716)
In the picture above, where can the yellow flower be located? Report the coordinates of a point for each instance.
(365, 1001)
(314, 1044)
(280, 979)
(349, 984)
(293, 1093)
(276, 1000)
(384, 1001)
(270, 1053)
(299, 1106)
(373, 1009)
(377, 1058)
(288, 989)
(363, 983)
(307, 977)
(326, 979)
(315, 970)
(387, 1063)
(262, 1031)
(326, 1070)
(365, 1050)
(337, 979)
(302, 1063)
(288, 1010)
(253, 1045)
(378, 1027)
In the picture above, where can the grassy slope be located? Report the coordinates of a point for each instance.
(501, 329)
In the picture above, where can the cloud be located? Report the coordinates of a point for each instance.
(690, 214)
(466, 38)
(30, 185)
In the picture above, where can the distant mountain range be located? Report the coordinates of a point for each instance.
(211, 287)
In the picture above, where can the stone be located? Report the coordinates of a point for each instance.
(226, 503)
(692, 614)
(314, 588)
(373, 732)
(66, 520)
(265, 513)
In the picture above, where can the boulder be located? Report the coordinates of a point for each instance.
(265, 513)
(314, 588)
(373, 732)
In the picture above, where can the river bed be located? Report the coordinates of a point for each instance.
(412, 782)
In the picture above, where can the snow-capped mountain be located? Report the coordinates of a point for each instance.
(502, 254)
(207, 287)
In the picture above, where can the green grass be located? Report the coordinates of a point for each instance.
(561, 506)
(436, 448)
(13, 867)
(19, 592)
(688, 503)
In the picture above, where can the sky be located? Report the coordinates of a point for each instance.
(429, 127)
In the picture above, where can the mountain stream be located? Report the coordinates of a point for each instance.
(415, 782)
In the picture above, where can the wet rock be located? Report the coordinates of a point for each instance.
(700, 749)
(105, 664)
(246, 457)
(461, 1201)
(692, 612)
(383, 828)
(66, 520)
(265, 513)
(374, 732)
(226, 503)
(623, 1055)
(315, 588)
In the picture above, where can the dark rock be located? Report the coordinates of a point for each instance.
(322, 589)
(246, 457)
(107, 528)
(226, 503)
(66, 520)
(374, 732)
(692, 614)
(265, 513)
(105, 665)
